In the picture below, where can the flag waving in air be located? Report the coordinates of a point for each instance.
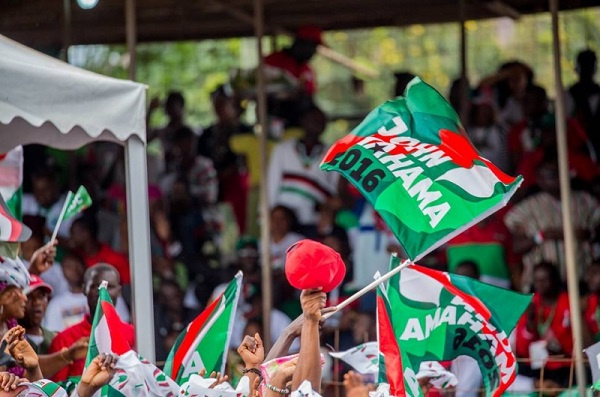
(412, 160)
(134, 375)
(427, 315)
(205, 342)
(74, 204)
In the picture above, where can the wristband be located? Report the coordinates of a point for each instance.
(275, 389)
(255, 371)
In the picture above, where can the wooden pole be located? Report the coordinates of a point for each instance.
(464, 82)
(131, 37)
(565, 196)
(265, 238)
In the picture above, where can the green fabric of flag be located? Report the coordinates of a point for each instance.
(427, 315)
(78, 202)
(413, 161)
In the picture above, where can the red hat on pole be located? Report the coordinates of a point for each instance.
(310, 265)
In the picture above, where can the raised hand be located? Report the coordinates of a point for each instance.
(98, 374)
(20, 349)
(219, 379)
(284, 373)
(43, 258)
(312, 301)
(79, 349)
(354, 385)
(252, 351)
(9, 384)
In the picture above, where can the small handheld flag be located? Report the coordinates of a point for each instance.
(74, 204)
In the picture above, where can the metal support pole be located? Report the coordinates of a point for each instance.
(66, 39)
(265, 227)
(565, 196)
(139, 245)
(131, 36)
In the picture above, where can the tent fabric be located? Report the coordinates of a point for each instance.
(42, 99)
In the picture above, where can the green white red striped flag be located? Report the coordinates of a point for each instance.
(413, 161)
(11, 180)
(426, 315)
(134, 375)
(205, 342)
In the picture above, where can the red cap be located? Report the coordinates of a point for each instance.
(35, 283)
(311, 265)
(310, 33)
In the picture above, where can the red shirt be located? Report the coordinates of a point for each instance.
(591, 316)
(71, 335)
(303, 72)
(107, 255)
(551, 322)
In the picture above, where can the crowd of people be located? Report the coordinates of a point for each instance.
(204, 220)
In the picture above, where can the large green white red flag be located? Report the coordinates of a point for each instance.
(427, 315)
(11, 180)
(134, 375)
(205, 342)
(413, 161)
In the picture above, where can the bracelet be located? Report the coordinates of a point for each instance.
(255, 371)
(62, 355)
(283, 391)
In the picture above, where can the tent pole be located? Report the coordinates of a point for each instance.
(265, 227)
(139, 245)
(565, 195)
(131, 36)
(464, 82)
(66, 39)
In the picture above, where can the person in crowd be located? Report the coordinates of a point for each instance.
(591, 315)
(489, 245)
(402, 80)
(70, 307)
(488, 136)
(536, 224)
(214, 143)
(458, 100)
(526, 136)
(508, 86)
(46, 200)
(295, 178)
(547, 320)
(247, 259)
(585, 97)
(175, 111)
(466, 368)
(170, 317)
(283, 235)
(291, 67)
(93, 277)
(38, 293)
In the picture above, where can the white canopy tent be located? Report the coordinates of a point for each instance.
(46, 101)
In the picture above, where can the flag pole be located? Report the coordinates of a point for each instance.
(265, 237)
(60, 217)
(565, 195)
(369, 287)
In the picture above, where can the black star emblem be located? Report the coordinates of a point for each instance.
(378, 148)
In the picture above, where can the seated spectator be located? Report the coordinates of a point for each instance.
(283, 235)
(487, 135)
(84, 242)
(591, 315)
(536, 224)
(170, 317)
(92, 279)
(295, 177)
(70, 307)
(46, 201)
(548, 319)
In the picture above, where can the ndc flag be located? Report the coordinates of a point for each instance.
(413, 161)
